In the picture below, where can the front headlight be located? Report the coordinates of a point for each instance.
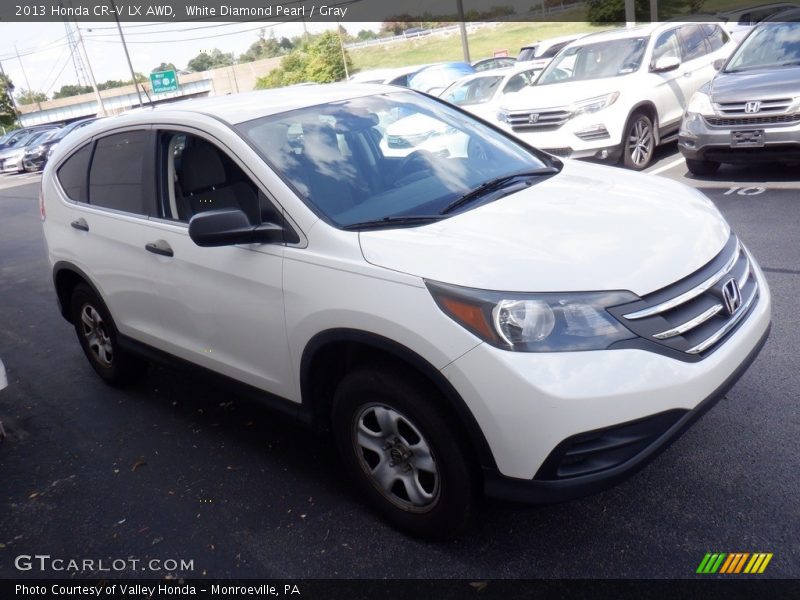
(593, 105)
(546, 322)
(700, 104)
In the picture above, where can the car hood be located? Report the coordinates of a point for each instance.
(9, 152)
(763, 84)
(555, 95)
(589, 228)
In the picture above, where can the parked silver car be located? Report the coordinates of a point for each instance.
(750, 111)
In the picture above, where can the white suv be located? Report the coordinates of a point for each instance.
(480, 318)
(617, 94)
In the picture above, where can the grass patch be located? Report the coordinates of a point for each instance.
(482, 44)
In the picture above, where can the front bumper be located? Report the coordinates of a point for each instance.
(597, 136)
(698, 140)
(535, 410)
(12, 165)
(34, 163)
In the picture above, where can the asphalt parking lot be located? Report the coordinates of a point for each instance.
(177, 469)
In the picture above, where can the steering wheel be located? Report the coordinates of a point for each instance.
(414, 164)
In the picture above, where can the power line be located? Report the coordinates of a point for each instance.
(172, 41)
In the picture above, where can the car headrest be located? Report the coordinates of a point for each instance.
(201, 168)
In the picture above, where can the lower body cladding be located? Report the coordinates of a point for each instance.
(743, 143)
(563, 425)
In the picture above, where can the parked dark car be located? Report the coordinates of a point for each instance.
(36, 156)
(23, 135)
(11, 157)
(750, 110)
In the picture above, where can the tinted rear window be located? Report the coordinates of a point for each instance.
(72, 175)
(115, 179)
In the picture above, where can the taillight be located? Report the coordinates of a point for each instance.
(42, 211)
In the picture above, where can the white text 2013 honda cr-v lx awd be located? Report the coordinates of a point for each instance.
(482, 318)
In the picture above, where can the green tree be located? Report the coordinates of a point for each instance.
(319, 60)
(71, 90)
(8, 116)
(210, 60)
(30, 97)
(604, 12)
(366, 34)
(164, 67)
(264, 47)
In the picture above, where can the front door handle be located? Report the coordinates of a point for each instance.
(159, 247)
(80, 224)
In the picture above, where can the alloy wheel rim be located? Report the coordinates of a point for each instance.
(640, 142)
(396, 458)
(97, 338)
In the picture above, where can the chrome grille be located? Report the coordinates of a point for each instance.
(765, 107)
(542, 120)
(745, 121)
(696, 314)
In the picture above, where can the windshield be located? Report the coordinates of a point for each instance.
(596, 61)
(769, 45)
(384, 156)
(475, 91)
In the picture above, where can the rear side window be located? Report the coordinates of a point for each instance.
(116, 177)
(73, 174)
(716, 36)
(693, 40)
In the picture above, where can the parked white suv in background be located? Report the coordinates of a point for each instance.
(482, 319)
(617, 94)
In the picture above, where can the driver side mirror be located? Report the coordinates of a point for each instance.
(718, 64)
(666, 63)
(230, 226)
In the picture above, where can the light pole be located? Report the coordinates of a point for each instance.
(463, 28)
(127, 56)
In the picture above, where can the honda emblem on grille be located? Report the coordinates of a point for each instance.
(752, 107)
(731, 296)
(533, 118)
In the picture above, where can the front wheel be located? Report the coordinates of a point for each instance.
(403, 452)
(640, 142)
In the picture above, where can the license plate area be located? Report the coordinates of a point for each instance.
(753, 138)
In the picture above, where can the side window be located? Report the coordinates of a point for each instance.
(715, 36)
(73, 174)
(693, 42)
(666, 45)
(197, 176)
(116, 178)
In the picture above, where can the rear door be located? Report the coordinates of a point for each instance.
(112, 187)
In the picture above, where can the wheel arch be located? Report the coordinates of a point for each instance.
(65, 277)
(650, 108)
(329, 355)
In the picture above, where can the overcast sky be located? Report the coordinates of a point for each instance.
(50, 66)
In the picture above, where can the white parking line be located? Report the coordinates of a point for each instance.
(666, 167)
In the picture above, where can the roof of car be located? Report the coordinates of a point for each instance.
(498, 72)
(790, 14)
(239, 108)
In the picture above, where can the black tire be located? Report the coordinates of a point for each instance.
(431, 456)
(98, 336)
(702, 167)
(639, 142)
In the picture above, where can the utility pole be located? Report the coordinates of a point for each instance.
(344, 55)
(97, 96)
(463, 27)
(128, 56)
(8, 91)
(653, 11)
(25, 75)
(630, 13)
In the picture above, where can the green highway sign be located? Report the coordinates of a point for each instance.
(164, 81)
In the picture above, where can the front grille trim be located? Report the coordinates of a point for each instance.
(688, 295)
(729, 325)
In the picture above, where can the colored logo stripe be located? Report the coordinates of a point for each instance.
(734, 562)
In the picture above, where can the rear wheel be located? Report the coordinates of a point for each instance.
(403, 453)
(702, 167)
(640, 142)
(97, 335)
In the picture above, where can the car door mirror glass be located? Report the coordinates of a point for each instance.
(718, 64)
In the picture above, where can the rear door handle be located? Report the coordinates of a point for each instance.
(80, 224)
(159, 247)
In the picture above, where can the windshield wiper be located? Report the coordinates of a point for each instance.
(393, 222)
(494, 185)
